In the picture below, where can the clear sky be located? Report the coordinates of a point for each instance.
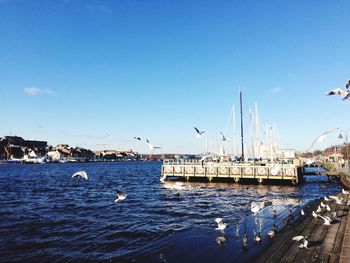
(93, 72)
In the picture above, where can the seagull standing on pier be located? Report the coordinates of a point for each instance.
(81, 174)
(120, 196)
(327, 220)
(303, 241)
(345, 94)
(199, 133)
(344, 192)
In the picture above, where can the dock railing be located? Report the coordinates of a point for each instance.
(196, 169)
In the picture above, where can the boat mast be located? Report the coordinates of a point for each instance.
(251, 132)
(257, 132)
(234, 131)
(242, 138)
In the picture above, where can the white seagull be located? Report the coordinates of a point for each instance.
(321, 138)
(199, 133)
(255, 209)
(303, 241)
(344, 192)
(326, 198)
(314, 214)
(343, 93)
(328, 208)
(327, 220)
(82, 174)
(302, 212)
(120, 196)
(322, 204)
(221, 224)
(318, 209)
(151, 147)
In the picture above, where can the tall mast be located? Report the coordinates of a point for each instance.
(251, 132)
(234, 131)
(257, 132)
(242, 138)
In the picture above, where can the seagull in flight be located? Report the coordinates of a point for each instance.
(151, 147)
(137, 138)
(221, 224)
(347, 84)
(321, 138)
(199, 133)
(343, 93)
(303, 241)
(81, 174)
(120, 196)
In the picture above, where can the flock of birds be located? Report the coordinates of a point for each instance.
(120, 196)
(345, 94)
(323, 212)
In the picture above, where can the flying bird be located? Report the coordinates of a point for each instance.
(120, 196)
(303, 241)
(221, 224)
(151, 147)
(347, 84)
(199, 133)
(321, 138)
(81, 174)
(137, 138)
(343, 93)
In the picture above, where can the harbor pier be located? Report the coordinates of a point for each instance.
(195, 169)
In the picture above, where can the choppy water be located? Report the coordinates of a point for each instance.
(46, 215)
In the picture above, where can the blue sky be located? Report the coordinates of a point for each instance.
(101, 72)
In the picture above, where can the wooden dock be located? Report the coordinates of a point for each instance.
(235, 172)
(326, 243)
